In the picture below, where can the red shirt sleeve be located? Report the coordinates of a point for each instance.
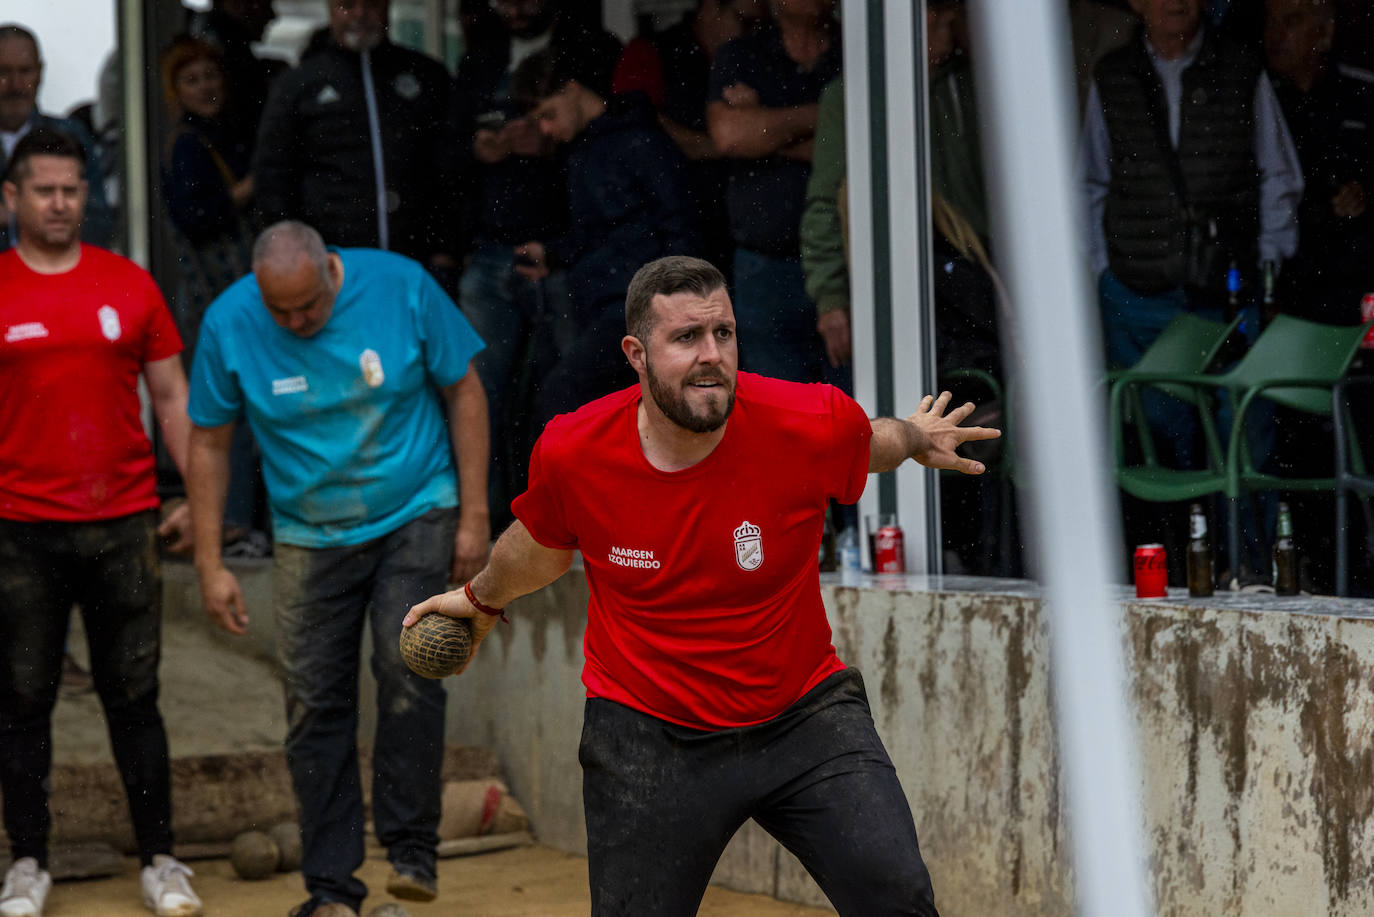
(852, 432)
(640, 69)
(162, 339)
(540, 508)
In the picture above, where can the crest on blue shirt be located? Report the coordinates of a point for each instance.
(371, 365)
(748, 546)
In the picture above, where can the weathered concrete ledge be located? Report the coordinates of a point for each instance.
(1254, 714)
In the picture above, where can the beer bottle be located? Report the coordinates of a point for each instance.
(1200, 575)
(1285, 555)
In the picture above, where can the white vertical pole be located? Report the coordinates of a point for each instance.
(1028, 120)
(859, 181)
(909, 240)
(137, 192)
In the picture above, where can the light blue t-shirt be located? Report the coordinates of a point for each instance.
(350, 421)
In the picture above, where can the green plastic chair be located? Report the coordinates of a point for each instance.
(1351, 477)
(1188, 344)
(1294, 363)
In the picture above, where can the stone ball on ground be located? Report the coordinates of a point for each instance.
(287, 834)
(254, 855)
(390, 909)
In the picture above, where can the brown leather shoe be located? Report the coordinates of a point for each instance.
(409, 886)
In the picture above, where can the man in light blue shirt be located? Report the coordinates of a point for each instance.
(354, 370)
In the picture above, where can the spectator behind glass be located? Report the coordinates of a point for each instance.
(673, 68)
(205, 181)
(762, 115)
(232, 26)
(628, 205)
(357, 142)
(21, 73)
(1329, 108)
(207, 189)
(956, 173)
(1180, 191)
(522, 194)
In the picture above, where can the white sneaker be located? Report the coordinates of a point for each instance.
(25, 889)
(166, 890)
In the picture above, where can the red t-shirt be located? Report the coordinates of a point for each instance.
(72, 446)
(705, 592)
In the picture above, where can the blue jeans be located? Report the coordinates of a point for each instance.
(324, 598)
(662, 801)
(777, 322)
(525, 326)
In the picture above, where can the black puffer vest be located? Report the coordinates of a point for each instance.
(1146, 219)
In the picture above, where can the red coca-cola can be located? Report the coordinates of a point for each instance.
(1367, 313)
(1151, 572)
(889, 550)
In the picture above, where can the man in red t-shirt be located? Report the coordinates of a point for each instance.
(78, 512)
(714, 694)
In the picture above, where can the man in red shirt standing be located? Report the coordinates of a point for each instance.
(697, 500)
(78, 512)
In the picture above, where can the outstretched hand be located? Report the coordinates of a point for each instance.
(455, 604)
(940, 434)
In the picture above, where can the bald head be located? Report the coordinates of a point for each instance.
(297, 276)
(281, 246)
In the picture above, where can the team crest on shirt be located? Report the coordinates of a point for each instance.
(109, 322)
(371, 364)
(748, 546)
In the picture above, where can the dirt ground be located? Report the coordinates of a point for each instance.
(524, 882)
(216, 700)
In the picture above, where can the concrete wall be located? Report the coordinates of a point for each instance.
(1254, 717)
(1254, 714)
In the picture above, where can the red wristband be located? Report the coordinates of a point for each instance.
(484, 609)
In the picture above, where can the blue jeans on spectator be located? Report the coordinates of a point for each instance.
(525, 325)
(777, 322)
(110, 567)
(324, 598)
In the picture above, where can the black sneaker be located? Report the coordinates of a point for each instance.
(411, 885)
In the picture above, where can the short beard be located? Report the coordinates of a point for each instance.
(673, 403)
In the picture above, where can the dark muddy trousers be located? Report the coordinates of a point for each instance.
(110, 568)
(324, 599)
(663, 800)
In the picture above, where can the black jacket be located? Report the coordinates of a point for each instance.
(1146, 218)
(314, 161)
(521, 198)
(627, 204)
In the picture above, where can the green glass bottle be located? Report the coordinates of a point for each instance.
(1285, 555)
